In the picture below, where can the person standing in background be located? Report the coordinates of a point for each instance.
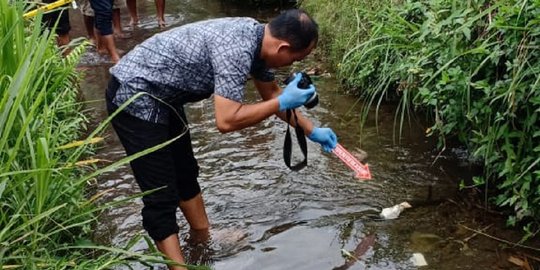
(160, 11)
(63, 27)
(103, 18)
(117, 21)
(132, 8)
(88, 19)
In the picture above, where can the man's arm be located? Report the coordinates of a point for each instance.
(232, 115)
(270, 91)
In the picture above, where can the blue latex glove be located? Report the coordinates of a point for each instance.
(324, 136)
(293, 97)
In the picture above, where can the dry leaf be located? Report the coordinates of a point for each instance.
(79, 143)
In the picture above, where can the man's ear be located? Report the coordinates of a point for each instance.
(283, 46)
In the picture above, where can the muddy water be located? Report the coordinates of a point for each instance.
(265, 216)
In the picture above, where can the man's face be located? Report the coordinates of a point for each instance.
(285, 56)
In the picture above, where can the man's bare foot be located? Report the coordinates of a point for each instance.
(106, 52)
(122, 35)
(93, 42)
(134, 22)
(115, 58)
(161, 23)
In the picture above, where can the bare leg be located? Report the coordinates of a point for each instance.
(100, 46)
(170, 246)
(195, 213)
(89, 26)
(160, 10)
(199, 234)
(117, 24)
(132, 8)
(62, 40)
(108, 43)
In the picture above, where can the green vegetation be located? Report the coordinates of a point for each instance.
(472, 67)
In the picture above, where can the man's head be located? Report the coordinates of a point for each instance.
(289, 37)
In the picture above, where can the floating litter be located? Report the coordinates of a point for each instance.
(418, 259)
(361, 170)
(394, 211)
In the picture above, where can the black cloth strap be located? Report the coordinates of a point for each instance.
(287, 146)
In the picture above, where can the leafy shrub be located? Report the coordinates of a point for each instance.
(472, 67)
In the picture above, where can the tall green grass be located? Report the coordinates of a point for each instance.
(46, 211)
(41, 203)
(472, 67)
(341, 25)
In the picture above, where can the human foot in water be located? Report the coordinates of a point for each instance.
(161, 23)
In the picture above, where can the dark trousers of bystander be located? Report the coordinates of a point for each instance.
(103, 10)
(60, 18)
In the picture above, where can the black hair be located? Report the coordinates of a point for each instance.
(296, 27)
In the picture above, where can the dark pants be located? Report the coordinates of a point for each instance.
(173, 168)
(61, 16)
(103, 10)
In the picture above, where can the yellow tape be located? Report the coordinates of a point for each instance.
(46, 8)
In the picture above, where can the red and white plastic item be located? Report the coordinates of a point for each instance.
(361, 170)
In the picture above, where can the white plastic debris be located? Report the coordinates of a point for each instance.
(418, 259)
(394, 211)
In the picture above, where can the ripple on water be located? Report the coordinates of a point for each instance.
(93, 58)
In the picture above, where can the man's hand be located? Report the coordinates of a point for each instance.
(294, 97)
(325, 137)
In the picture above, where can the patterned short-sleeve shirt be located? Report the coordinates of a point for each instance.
(190, 63)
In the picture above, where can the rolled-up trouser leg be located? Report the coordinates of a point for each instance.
(103, 16)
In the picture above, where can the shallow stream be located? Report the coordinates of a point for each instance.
(265, 216)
